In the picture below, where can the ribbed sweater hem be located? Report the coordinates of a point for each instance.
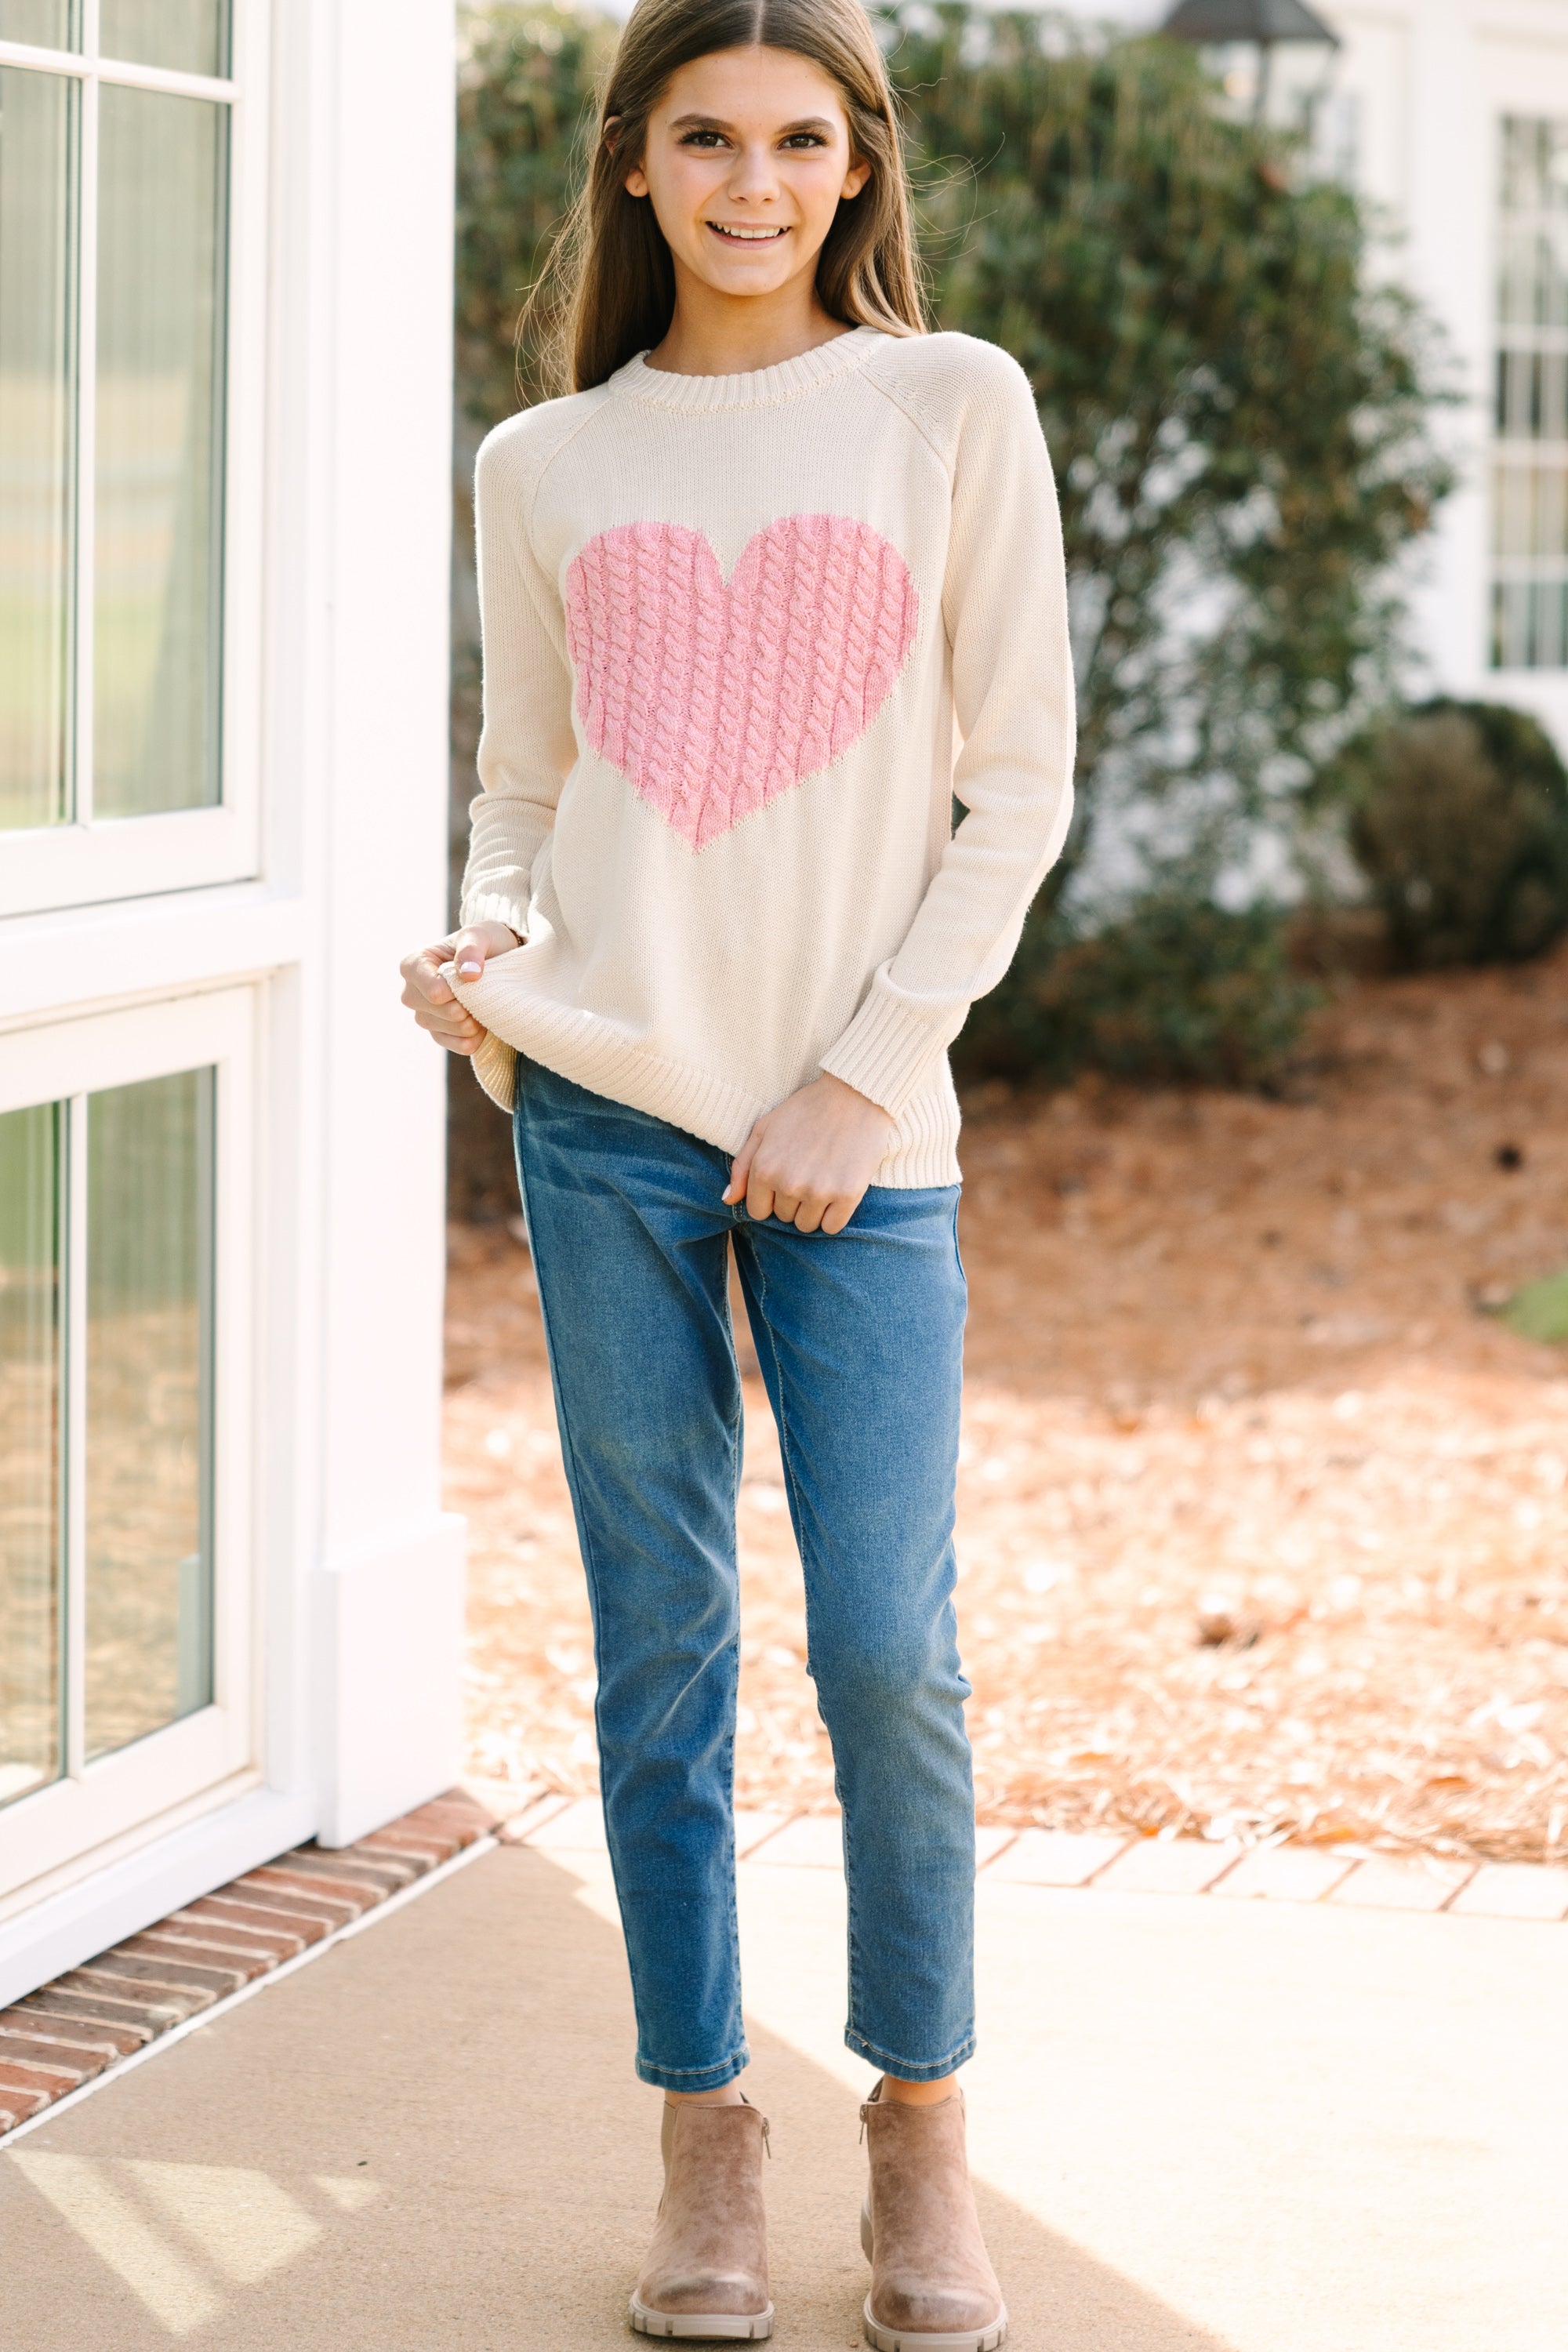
(593, 1054)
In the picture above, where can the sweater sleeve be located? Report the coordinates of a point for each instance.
(526, 745)
(1004, 610)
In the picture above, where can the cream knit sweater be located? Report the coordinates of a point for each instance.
(735, 628)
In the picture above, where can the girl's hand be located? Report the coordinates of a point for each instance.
(430, 1000)
(808, 1162)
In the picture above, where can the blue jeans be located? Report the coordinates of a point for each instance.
(859, 1336)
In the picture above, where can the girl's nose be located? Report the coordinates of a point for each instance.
(753, 179)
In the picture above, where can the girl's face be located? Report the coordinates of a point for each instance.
(746, 161)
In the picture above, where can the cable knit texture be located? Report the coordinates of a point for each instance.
(746, 638)
(713, 700)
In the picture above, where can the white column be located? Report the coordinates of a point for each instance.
(1451, 203)
(365, 1600)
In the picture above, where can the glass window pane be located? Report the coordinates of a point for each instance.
(1529, 498)
(29, 1450)
(191, 36)
(48, 24)
(39, 114)
(159, 507)
(148, 1648)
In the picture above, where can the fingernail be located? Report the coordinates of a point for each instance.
(469, 970)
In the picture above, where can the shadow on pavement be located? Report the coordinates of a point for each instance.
(431, 2139)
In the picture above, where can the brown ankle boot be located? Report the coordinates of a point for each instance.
(933, 2286)
(707, 2269)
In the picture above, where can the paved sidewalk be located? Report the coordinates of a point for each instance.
(1199, 2126)
(1134, 1866)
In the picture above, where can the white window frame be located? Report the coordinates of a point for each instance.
(87, 862)
(98, 1800)
(1526, 459)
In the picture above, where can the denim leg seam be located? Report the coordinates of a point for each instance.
(590, 1572)
(567, 1447)
(737, 1443)
(590, 1565)
(793, 1486)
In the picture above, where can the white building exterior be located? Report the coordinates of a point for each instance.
(230, 1604)
(1452, 117)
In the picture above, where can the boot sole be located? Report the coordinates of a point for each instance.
(708, 2327)
(910, 2340)
(907, 2339)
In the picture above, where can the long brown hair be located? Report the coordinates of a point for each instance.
(608, 290)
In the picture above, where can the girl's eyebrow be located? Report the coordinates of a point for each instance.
(714, 122)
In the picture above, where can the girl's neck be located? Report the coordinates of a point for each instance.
(715, 334)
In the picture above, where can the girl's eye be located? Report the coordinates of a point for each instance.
(805, 139)
(702, 139)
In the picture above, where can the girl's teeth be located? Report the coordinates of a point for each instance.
(747, 236)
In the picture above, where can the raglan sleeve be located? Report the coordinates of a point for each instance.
(1004, 609)
(526, 742)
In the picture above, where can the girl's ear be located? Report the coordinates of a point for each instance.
(635, 181)
(854, 178)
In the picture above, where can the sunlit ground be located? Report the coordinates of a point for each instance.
(181, 2237)
(1263, 1513)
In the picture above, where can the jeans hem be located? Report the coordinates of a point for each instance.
(693, 2078)
(909, 2070)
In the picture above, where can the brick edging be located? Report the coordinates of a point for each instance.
(95, 2018)
(1120, 1861)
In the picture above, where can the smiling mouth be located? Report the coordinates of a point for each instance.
(733, 236)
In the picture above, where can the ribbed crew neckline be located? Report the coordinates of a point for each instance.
(758, 388)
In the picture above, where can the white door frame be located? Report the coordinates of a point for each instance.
(95, 1803)
(357, 1573)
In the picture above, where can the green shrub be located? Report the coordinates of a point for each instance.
(1239, 402)
(1540, 1311)
(1178, 992)
(1458, 818)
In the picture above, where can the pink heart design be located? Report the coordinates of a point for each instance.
(712, 701)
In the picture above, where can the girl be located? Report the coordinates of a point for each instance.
(776, 554)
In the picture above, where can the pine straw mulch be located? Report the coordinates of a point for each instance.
(1263, 1515)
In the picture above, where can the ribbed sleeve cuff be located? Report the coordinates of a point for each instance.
(494, 906)
(885, 1052)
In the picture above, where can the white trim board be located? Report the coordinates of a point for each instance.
(84, 1919)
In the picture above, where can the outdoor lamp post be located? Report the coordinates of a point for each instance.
(1260, 23)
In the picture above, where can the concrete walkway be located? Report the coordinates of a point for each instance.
(1197, 2127)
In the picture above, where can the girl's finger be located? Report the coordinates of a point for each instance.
(741, 1171)
(437, 990)
(468, 955)
(422, 981)
(449, 1033)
